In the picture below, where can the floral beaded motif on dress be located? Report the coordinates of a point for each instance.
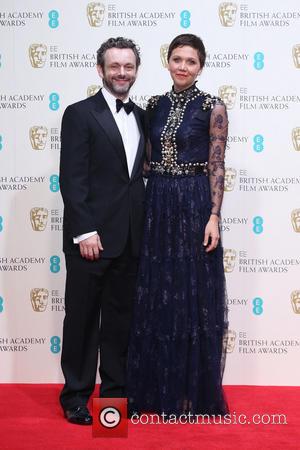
(152, 102)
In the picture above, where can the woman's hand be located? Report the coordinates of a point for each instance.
(212, 234)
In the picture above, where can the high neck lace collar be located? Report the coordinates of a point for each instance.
(186, 93)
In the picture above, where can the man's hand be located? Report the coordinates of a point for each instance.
(90, 248)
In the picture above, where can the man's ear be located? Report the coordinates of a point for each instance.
(100, 71)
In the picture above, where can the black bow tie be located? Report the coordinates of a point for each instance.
(127, 106)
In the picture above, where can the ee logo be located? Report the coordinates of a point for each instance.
(54, 183)
(55, 344)
(55, 264)
(54, 101)
(258, 143)
(53, 18)
(185, 19)
(257, 303)
(258, 224)
(258, 61)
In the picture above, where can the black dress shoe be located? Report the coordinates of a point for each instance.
(79, 415)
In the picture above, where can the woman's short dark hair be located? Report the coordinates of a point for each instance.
(192, 41)
(118, 42)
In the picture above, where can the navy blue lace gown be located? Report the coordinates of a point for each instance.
(176, 353)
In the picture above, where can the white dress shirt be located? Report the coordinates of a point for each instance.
(130, 134)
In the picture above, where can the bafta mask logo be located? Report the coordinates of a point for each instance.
(295, 299)
(228, 95)
(38, 218)
(296, 138)
(229, 181)
(38, 137)
(296, 55)
(227, 13)
(164, 54)
(38, 55)
(92, 90)
(39, 299)
(295, 218)
(229, 341)
(95, 14)
(229, 258)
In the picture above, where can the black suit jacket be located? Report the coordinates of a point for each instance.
(95, 185)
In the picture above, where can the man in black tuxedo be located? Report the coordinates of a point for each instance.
(102, 153)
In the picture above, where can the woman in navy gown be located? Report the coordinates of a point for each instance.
(176, 353)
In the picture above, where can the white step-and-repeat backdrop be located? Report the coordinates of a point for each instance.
(47, 61)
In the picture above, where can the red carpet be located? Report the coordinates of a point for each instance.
(32, 419)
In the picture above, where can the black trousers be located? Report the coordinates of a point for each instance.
(98, 301)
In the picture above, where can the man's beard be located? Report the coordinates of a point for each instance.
(117, 89)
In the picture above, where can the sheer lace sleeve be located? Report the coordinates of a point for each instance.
(151, 105)
(218, 136)
(146, 167)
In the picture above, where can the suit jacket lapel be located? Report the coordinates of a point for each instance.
(141, 146)
(107, 122)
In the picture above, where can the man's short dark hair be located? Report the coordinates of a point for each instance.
(118, 42)
(191, 40)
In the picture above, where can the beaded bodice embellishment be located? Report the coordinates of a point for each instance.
(179, 102)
